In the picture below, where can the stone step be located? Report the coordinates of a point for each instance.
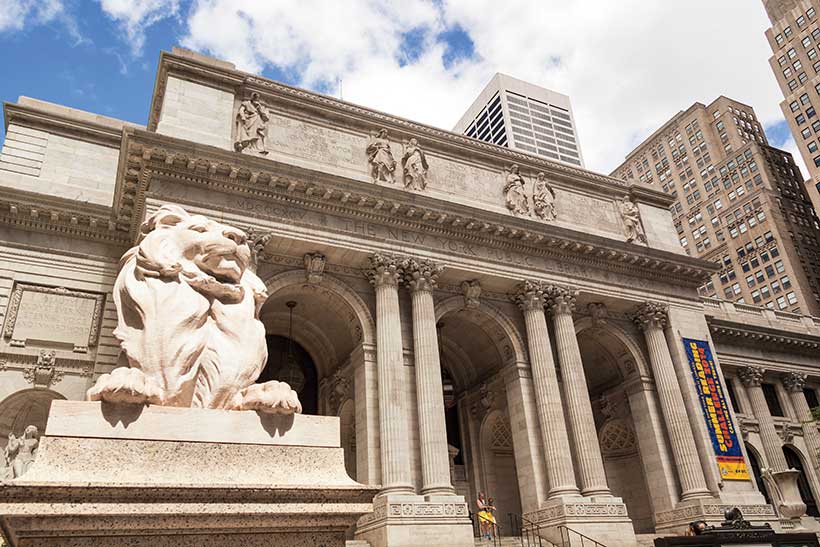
(505, 542)
(645, 540)
(357, 543)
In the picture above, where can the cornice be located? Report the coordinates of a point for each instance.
(148, 156)
(350, 115)
(54, 122)
(746, 333)
(48, 214)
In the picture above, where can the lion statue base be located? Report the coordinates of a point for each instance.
(188, 321)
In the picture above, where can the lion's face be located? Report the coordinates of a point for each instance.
(174, 241)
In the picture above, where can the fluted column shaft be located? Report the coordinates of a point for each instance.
(752, 377)
(393, 438)
(420, 277)
(652, 319)
(531, 299)
(588, 458)
(794, 383)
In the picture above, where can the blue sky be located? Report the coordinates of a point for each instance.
(422, 59)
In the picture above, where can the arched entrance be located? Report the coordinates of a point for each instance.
(320, 342)
(477, 343)
(609, 363)
(24, 408)
(795, 461)
(754, 461)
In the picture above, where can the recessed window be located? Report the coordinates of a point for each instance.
(772, 400)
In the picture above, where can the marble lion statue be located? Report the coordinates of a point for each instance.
(187, 310)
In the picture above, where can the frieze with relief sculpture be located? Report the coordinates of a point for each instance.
(252, 126)
(188, 320)
(380, 157)
(414, 166)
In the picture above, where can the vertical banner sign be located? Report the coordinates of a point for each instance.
(712, 397)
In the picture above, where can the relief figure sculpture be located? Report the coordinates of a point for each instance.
(252, 126)
(543, 198)
(188, 320)
(633, 228)
(380, 157)
(21, 451)
(414, 164)
(516, 197)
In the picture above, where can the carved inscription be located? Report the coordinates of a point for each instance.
(54, 315)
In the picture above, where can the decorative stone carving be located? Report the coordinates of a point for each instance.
(414, 166)
(472, 293)
(21, 452)
(562, 300)
(339, 390)
(257, 241)
(420, 274)
(531, 295)
(314, 267)
(187, 309)
(500, 435)
(794, 381)
(651, 315)
(44, 372)
(514, 192)
(633, 227)
(39, 312)
(786, 434)
(485, 401)
(617, 438)
(785, 493)
(598, 312)
(543, 198)
(252, 126)
(380, 157)
(751, 376)
(385, 269)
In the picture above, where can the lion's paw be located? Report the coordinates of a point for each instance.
(126, 385)
(270, 397)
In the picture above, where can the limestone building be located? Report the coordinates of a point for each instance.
(522, 116)
(478, 318)
(795, 41)
(738, 203)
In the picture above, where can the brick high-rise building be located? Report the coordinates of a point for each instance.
(795, 42)
(740, 202)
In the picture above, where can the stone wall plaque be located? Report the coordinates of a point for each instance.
(55, 315)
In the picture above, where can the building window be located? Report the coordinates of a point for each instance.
(811, 397)
(772, 400)
(791, 298)
(779, 39)
(810, 13)
(733, 400)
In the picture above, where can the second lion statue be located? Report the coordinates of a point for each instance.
(188, 321)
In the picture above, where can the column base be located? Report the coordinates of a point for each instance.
(604, 520)
(417, 521)
(676, 521)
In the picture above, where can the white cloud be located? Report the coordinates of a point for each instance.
(135, 16)
(627, 65)
(16, 15)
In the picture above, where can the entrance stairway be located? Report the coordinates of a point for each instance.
(503, 542)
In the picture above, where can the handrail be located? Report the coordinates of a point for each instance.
(477, 529)
(568, 541)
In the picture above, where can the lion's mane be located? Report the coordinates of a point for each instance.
(185, 319)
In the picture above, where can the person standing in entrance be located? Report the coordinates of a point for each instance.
(485, 517)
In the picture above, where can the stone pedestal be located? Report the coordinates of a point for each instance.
(676, 521)
(164, 476)
(603, 519)
(417, 521)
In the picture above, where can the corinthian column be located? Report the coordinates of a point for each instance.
(652, 318)
(794, 382)
(420, 276)
(579, 409)
(530, 297)
(395, 450)
(752, 377)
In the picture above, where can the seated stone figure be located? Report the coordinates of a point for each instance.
(187, 309)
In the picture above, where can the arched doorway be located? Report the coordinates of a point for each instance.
(608, 364)
(288, 359)
(477, 343)
(795, 461)
(754, 461)
(24, 408)
(500, 475)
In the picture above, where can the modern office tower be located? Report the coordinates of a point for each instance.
(739, 202)
(522, 116)
(795, 42)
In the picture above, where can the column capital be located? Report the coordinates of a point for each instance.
(651, 315)
(751, 376)
(531, 295)
(385, 270)
(562, 300)
(794, 382)
(420, 274)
